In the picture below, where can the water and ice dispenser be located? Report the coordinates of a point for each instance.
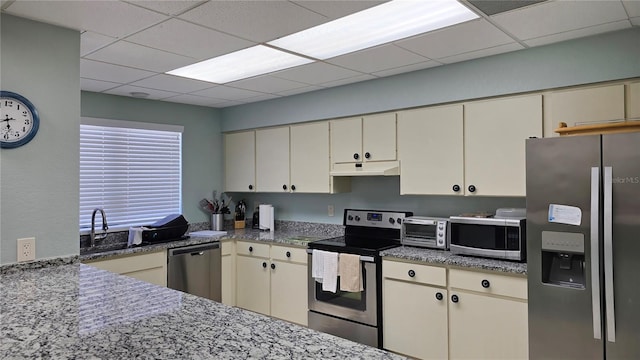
(563, 261)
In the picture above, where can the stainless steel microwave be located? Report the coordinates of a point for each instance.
(498, 238)
(429, 232)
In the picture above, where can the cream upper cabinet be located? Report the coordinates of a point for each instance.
(494, 144)
(487, 319)
(149, 267)
(414, 310)
(272, 160)
(346, 140)
(310, 158)
(431, 151)
(239, 161)
(633, 101)
(370, 138)
(583, 106)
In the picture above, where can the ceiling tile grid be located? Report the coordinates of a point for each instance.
(127, 46)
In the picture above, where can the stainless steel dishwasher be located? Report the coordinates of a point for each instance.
(196, 270)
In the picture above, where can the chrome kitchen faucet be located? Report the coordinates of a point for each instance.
(93, 236)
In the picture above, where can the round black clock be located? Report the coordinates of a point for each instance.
(19, 120)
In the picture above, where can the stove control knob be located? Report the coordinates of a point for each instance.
(391, 220)
(357, 218)
(350, 217)
(399, 221)
(441, 234)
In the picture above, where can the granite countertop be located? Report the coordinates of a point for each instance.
(81, 312)
(441, 257)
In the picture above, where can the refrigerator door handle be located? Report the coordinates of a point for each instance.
(608, 255)
(595, 262)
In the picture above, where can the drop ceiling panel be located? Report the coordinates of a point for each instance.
(377, 59)
(632, 7)
(227, 93)
(126, 90)
(167, 7)
(181, 37)
(260, 98)
(267, 84)
(90, 41)
(458, 39)
(481, 53)
(316, 73)
(568, 35)
(408, 68)
(337, 9)
(355, 79)
(141, 57)
(258, 21)
(559, 16)
(108, 72)
(173, 83)
(194, 100)
(96, 85)
(301, 90)
(113, 18)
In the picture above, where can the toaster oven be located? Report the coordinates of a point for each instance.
(428, 232)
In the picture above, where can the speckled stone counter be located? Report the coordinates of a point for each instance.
(76, 311)
(441, 257)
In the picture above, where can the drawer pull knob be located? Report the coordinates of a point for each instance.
(439, 296)
(454, 298)
(485, 284)
(250, 248)
(288, 254)
(264, 265)
(412, 273)
(273, 266)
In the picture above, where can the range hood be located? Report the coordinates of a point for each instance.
(377, 168)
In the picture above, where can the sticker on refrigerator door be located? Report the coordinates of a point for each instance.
(565, 214)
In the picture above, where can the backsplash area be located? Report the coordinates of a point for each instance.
(378, 193)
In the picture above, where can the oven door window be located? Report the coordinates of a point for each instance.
(351, 300)
(479, 236)
(420, 231)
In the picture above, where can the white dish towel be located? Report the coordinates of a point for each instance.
(317, 267)
(350, 273)
(330, 272)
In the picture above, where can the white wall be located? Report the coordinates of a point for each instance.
(39, 181)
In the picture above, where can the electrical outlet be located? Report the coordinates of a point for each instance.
(26, 249)
(330, 210)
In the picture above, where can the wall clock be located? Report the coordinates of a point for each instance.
(19, 120)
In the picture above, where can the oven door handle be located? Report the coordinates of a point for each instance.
(362, 258)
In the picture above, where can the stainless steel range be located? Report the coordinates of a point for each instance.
(356, 316)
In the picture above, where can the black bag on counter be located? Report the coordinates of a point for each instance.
(171, 227)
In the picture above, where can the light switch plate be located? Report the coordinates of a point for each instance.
(330, 210)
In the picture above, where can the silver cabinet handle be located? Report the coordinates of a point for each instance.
(595, 262)
(608, 255)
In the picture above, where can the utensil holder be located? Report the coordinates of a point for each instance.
(217, 222)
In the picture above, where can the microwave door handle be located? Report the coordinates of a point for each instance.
(595, 262)
(608, 255)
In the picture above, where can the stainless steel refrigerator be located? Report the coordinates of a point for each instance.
(583, 246)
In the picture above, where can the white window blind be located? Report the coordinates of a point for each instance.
(134, 174)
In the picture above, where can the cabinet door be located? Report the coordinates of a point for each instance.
(485, 327)
(590, 105)
(252, 288)
(150, 267)
(289, 292)
(379, 137)
(272, 160)
(228, 273)
(494, 144)
(310, 158)
(346, 140)
(430, 150)
(633, 101)
(239, 161)
(415, 321)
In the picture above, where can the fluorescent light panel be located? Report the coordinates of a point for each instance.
(240, 64)
(381, 24)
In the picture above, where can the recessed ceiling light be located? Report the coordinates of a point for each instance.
(240, 64)
(378, 25)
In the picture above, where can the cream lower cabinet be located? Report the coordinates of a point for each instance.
(149, 267)
(415, 310)
(272, 280)
(228, 276)
(488, 316)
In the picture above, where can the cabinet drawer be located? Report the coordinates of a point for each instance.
(496, 284)
(252, 249)
(227, 247)
(289, 254)
(132, 263)
(423, 274)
